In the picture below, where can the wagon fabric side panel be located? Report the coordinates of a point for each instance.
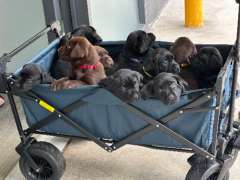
(105, 116)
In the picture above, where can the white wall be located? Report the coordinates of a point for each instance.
(114, 19)
(19, 20)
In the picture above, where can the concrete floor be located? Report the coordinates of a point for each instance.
(85, 160)
(220, 25)
(9, 139)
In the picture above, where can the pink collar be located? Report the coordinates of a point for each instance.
(87, 67)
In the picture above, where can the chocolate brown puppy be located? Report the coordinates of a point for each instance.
(188, 75)
(61, 68)
(85, 62)
(183, 49)
(105, 58)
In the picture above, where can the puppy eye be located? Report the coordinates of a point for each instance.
(169, 57)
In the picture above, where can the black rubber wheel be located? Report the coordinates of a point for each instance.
(48, 158)
(196, 173)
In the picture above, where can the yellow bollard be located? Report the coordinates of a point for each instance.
(193, 13)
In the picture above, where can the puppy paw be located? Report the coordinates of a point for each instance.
(71, 84)
(58, 84)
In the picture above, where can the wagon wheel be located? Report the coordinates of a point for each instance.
(202, 169)
(198, 172)
(48, 158)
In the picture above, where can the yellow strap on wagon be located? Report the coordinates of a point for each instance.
(46, 106)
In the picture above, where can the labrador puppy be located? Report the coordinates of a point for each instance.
(136, 50)
(125, 84)
(183, 49)
(188, 75)
(105, 58)
(89, 32)
(32, 75)
(206, 65)
(62, 68)
(162, 60)
(166, 87)
(138, 42)
(84, 60)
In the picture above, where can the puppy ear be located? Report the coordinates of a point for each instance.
(78, 52)
(183, 84)
(153, 37)
(131, 40)
(147, 90)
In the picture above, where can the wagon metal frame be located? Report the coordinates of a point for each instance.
(220, 142)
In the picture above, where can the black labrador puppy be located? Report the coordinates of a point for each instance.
(89, 32)
(62, 68)
(166, 87)
(206, 65)
(136, 50)
(125, 84)
(32, 75)
(139, 42)
(161, 60)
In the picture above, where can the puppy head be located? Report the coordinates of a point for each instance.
(125, 84)
(183, 49)
(140, 41)
(89, 32)
(168, 87)
(130, 80)
(31, 75)
(76, 49)
(207, 62)
(163, 61)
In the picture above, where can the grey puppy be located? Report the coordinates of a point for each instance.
(31, 75)
(162, 60)
(166, 87)
(125, 84)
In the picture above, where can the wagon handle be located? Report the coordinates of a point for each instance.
(55, 27)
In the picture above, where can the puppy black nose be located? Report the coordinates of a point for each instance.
(176, 69)
(171, 97)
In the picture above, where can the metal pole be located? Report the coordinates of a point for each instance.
(235, 75)
(29, 41)
(16, 117)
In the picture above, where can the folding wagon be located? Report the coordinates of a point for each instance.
(202, 122)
